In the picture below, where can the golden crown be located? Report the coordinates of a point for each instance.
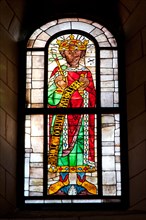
(72, 44)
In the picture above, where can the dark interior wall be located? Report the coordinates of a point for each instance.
(18, 20)
(105, 12)
(133, 19)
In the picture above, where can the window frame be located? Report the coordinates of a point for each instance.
(101, 110)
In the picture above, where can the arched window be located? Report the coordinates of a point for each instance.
(73, 130)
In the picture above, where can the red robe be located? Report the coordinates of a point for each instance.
(77, 101)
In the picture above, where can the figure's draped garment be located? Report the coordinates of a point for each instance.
(77, 140)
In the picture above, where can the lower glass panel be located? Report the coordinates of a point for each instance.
(72, 174)
(111, 155)
(72, 154)
(33, 165)
(63, 201)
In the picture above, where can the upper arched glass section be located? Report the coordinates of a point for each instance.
(40, 37)
(107, 58)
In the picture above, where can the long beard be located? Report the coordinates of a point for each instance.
(74, 62)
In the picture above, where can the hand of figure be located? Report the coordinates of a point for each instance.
(85, 82)
(61, 82)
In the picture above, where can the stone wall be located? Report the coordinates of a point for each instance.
(10, 21)
(133, 18)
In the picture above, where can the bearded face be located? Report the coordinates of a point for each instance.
(73, 56)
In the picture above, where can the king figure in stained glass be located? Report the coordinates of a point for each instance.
(71, 136)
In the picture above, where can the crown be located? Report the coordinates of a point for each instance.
(72, 44)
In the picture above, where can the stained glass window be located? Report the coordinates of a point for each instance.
(72, 115)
